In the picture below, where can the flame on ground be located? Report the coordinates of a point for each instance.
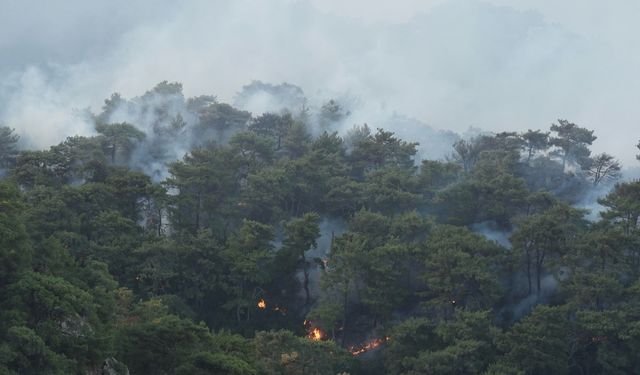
(314, 333)
(262, 304)
(369, 345)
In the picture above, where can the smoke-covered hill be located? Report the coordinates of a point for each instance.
(291, 234)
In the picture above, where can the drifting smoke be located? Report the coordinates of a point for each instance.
(589, 201)
(163, 116)
(449, 63)
(413, 68)
(548, 286)
(589, 198)
(259, 98)
(43, 110)
(329, 228)
(491, 231)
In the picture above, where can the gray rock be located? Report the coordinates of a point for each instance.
(112, 366)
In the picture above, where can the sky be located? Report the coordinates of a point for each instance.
(492, 64)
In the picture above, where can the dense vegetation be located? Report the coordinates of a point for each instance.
(190, 237)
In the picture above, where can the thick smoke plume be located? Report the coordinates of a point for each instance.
(448, 63)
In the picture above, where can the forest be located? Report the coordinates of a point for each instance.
(188, 236)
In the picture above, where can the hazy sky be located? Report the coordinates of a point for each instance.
(494, 64)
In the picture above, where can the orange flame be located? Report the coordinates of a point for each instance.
(262, 304)
(316, 334)
(370, 345)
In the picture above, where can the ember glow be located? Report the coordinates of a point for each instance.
(262, 304)
(314, 333)
(369, 345)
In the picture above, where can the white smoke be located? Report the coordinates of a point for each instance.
(447, 63)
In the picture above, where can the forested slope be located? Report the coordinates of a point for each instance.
(188, 236)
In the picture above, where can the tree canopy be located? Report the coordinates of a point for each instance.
(189, 236)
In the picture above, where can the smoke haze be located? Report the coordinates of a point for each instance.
(452, 64)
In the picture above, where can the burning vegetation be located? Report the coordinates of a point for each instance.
(262, 304)
(314, 333)
(434, 282)
(367, 346)
(317, 334)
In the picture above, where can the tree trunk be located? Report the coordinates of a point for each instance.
(344, 317)
(305, 271)
(238, 304)
(538, 272)
(198, 212)
(160, 222)
(529, 271)
(539, 261)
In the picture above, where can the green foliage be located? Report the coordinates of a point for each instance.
(205, 183)
(572, 140)
(460, 270)
(282, 352)
(202, 246)
(8, 146)
(27, 353)
(379, 150)
(220, 118)
(204, 363)
(42, 168)
(530, 346)
(463, 345)
(535, 141)
(437, 175)
(119, 140)
(152, 341)
(603, 168)
(15, 254)
(623, 205)
(300, 237)
(545, 237)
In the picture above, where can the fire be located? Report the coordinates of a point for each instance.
(369, 345)
(316, 334)
(262, 304)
